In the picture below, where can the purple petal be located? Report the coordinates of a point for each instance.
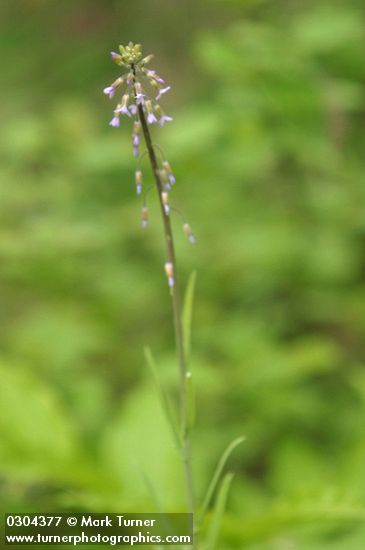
(162, 92)
(164, 119)
(109, 90)
(123, 111)
(151, 119)
(140, 99)
(114, 122)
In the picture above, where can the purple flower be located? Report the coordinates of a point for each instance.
(152, 74)
(123, 110)
(162, 92)
(114, 121)
(151, 119)
(133, 109)
(164, 119)
(172, 179)
(139, 94)
(109, 90)
(136, 151)
(135, 140)
(114, 55)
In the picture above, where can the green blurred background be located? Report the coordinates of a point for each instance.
(268, 149)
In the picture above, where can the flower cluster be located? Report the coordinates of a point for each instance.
(139, 90)
(135, 87)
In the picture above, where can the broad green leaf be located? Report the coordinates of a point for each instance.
(38, 438)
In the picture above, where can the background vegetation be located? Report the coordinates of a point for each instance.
(268, 149)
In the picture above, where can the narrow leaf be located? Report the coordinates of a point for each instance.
(187, 313)
(164, 398)
(217, 474)
(218, 512)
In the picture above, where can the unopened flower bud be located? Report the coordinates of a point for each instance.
(144, 217)
(137, 127)
(169, 270)
(189, 233)
(116, 58)
(165, 202)
(147, 59)
(138, 177)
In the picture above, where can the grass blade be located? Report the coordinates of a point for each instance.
(187, 313)
(218, 512)
(217, 474)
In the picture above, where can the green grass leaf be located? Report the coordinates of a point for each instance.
(219, 508)
(187, 313)
(217, 475)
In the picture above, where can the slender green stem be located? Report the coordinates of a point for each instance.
(176, 309)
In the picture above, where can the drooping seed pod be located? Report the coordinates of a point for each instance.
(138, 178)
(169, 270)
(165, 202)
(188, 232)
(144, 217)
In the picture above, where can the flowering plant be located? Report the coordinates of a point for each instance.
(135, 101)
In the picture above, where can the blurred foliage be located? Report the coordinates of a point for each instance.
(267, 146)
